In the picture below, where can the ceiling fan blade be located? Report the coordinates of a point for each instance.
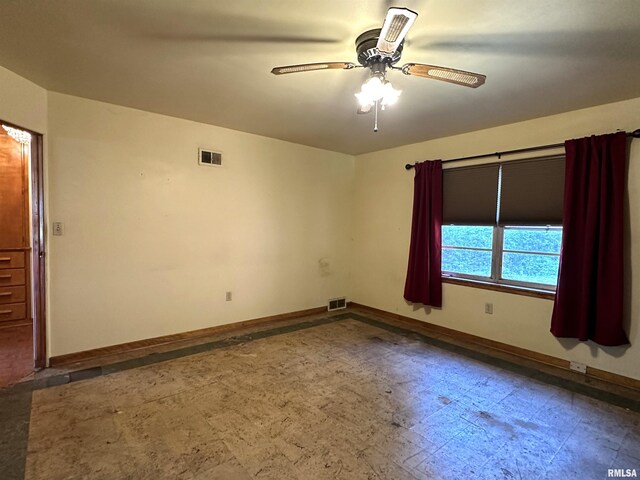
(362, 109)
(238, 38)
(396, 25)
(451, 75)
(308, 67)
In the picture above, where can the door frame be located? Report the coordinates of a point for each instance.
(38, 252)
(38, 232)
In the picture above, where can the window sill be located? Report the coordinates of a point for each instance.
(527, 292)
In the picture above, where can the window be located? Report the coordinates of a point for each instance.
(531, 254)
(467, 250)
(501, 222)
(527, 256)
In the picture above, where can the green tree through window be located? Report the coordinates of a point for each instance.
(519, 255)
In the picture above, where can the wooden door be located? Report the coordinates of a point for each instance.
(16, 324)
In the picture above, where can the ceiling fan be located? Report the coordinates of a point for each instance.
(380, 49)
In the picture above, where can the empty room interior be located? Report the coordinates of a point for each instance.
(319, 240)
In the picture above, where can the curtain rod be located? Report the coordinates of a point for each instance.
(409, 166)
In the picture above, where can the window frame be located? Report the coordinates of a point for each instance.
(497, 252)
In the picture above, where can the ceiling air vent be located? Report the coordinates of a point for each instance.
(209, 158)
(337, 304)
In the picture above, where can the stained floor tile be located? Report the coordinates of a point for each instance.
(344, 399)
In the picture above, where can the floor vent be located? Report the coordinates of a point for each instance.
(209, 158)
(337, 304)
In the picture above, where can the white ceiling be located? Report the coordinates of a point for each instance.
(209, 61)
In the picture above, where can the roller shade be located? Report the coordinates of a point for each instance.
(532, 192)
(470, 195)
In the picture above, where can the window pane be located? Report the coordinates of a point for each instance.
(527, 267)
(467, 236)
(533, 239)
(471, 262)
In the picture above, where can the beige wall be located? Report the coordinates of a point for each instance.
(22, 102)
(153, 241)
(382, 214)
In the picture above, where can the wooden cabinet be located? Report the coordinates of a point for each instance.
(13, 276)
(14, 300)
(13, 294)
(15, 288)
(11, 259)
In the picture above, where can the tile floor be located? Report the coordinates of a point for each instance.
(344, 399)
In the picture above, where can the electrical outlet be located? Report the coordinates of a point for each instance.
(488, 308)
(228, 296)
(58, 228)
(578, 367)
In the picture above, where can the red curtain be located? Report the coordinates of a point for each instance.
(424, 275)
(589, 297)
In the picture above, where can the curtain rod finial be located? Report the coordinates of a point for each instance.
(408, 166)
(635, 133)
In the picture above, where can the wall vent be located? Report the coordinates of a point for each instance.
(209, 158)
(337, 304)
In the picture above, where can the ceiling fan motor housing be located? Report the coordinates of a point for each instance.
(369, 55)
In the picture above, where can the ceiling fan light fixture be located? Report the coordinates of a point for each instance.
(391, 95)
(377, 89)
(363, 99)
(374, 88)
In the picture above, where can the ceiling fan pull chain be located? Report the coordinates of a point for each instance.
(375, 121)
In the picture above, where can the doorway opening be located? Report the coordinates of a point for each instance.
(22, 254)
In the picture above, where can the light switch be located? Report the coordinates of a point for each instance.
(58, 228)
